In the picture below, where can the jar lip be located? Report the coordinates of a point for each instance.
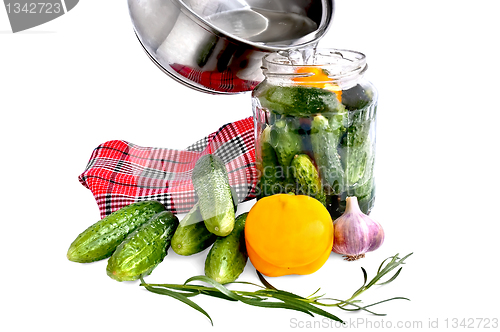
(320, 57)
(340, 65)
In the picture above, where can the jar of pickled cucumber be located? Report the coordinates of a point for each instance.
(315, 123)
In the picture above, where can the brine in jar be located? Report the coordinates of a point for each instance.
(315, 126)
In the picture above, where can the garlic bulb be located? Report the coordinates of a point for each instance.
(355, 233)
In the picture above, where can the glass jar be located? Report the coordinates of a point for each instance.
(315, 123)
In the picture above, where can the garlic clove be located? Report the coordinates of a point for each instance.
(355, 233)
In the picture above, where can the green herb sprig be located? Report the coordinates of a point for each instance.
(268, 296)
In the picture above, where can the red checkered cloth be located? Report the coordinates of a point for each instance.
(120, 173)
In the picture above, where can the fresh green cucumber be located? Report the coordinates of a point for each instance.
(307, 177)
(227, 258)
(100, 240)
(192, 236)
(299, 100)
(366, 195)
(211, 183)
(143, 249)
(271, 175)
(324, 142)
(286, 140)
(356, 147)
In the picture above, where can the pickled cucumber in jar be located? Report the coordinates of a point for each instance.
(323, 117)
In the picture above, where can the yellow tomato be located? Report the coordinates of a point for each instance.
(288, 234)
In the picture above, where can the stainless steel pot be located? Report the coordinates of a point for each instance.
(216, 46)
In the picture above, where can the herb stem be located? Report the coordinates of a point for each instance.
(280, 299)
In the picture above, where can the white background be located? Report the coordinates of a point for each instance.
(83, 79)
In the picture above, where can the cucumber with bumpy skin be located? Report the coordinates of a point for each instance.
(324, 142)
(211, 183)
(100, 240)
(356, 147)
(307, 177)
(192, 236)
(227, 258)
(143, 249)
(299, 100)
(286, 140)
(271, 179)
